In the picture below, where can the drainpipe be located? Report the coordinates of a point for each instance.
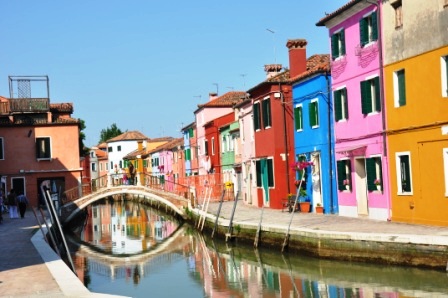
(330, 151)
(285, 139)
(383, 104)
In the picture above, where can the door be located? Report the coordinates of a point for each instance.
(361, 186)
(18, 184)
(316, 179)
(265, 180)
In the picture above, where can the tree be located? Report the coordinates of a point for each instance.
(83, 150)
(110, 133)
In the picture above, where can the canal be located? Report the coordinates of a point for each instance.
(126, 248)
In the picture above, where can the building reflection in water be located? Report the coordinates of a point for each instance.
(128, 241)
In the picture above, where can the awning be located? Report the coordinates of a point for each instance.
(347, 151)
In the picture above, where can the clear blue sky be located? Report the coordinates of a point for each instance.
(146, 65)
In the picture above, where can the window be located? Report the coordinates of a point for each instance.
(93, 167)
(403, 164)
(368, 29)
(107, 166)
(111, 164)
(43, 148)
(101, 166)
(445, 167)
(338, 44)
(444, 75)
(341, 104)
(206, 147)
(398, 14)
(256, 115)
(223, 144)
(92, 154)
(231, 143)
(344, 173)
(190, 132)
(266, 113)
(298, 117)
(187, 154)
(2, 156)
(259, 168)
(399, 88)
(109, 149)
(314, 113)
(370, 96)
(374, 173)
(118, 148)
(213, 146)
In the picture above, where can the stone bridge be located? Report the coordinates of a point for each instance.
(157, 197)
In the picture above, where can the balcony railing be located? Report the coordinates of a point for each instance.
(32, 105)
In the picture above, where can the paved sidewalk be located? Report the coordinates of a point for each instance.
(330, 226)
(30, 268)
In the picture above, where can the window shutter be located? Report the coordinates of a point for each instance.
(298, 117)
(145, 163)
(256, 112)
(342, 34)
(345, 103)
(371, 173)
(312, 114)
(338, 104)
(363, 31)
(401, 88)
(266, 113)
(340, 165)
(377, 94)
(334, 46)
(270, 173)
(258, 172)
(366, 97)
(190, 132)
(374, 26)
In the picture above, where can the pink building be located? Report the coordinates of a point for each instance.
(361, 156)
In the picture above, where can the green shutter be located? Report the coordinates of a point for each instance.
(446, 72)
(298, 117)
(258, 172)
(266, 111)
(312, 110)
(334, 46)
(145, 163)
(377, 94)
(191, 132)
(374, 25)
(342, 34)
(366, 97)
(338, 104)
(270, 172)
(363, 31)
(340, 165)
(256, 113)
(371, 173)
(401, 88)
(345, 103)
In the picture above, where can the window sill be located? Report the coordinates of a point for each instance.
(44, 159)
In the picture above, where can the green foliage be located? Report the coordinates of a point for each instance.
(83, 150)
(109, 133)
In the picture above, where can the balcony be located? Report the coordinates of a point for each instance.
(27, 105)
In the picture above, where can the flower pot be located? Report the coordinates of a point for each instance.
(319, 209)
(347, 187)
(305, 207)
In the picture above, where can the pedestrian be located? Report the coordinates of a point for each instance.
(131, 173)
(12, 204)
(125, 176)
(22, 201)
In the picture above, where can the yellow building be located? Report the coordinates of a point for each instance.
(416, 94)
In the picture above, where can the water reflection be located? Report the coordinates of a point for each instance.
(166, 259)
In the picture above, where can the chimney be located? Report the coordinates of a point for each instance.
(212, 96)
(139, 145)
(272, 70)
(297, 56)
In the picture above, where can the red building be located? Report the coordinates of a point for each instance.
(274, 145)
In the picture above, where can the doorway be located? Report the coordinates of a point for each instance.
(361, 186)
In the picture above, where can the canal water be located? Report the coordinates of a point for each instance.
(126, 248)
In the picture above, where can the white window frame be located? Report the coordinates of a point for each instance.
(400, 192)
(344, 99)
(224, 143)
(368, 16)
(301, 120)
(93, 167)
(443, 68)
(50, 148)
(340, 56)
(445, 168)
(317, 113)
(396, 88)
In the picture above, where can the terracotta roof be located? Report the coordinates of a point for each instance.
(337, 12)
(168, 146)
(228, 99)
(161, 139)
(282, 77)
(128, 136)
(133, 154)
(102, 145)
(314, 64)
(100, 153)
(61, 107)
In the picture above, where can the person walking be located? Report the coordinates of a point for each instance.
(12, 204)
(22, 201)
(131, 174)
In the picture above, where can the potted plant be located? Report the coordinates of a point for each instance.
(319, 208)
(377, 182)
(347, 184)
(304, 202)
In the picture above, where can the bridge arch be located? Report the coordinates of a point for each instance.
(171, 201)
